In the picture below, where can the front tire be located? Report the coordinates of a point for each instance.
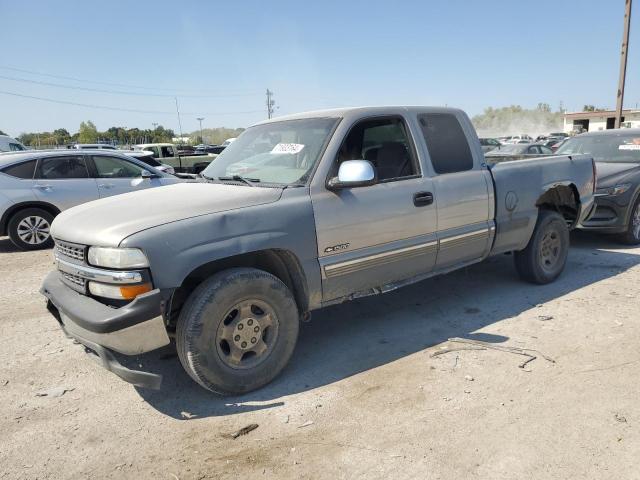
(544, 258)
(29, 229)
(632, 235)
(237, 330)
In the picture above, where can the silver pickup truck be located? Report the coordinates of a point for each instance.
(298, 213)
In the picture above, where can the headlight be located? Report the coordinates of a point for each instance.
(117, 257)
(615, 190)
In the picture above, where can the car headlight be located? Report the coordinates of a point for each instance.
(117, 257)
(118, 292)
(615, 190)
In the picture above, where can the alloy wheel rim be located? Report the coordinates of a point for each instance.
(247, 334)
(635, 222)
(550, 249)
(33, 230)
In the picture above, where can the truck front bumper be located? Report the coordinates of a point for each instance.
(133, 329)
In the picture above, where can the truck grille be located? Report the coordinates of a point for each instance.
(75, 282)
(70, 250)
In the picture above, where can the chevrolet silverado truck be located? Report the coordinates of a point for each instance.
(167, 153)
(298, 213)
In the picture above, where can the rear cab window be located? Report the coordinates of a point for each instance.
(446, 142)
(167, 152)
(22, 170)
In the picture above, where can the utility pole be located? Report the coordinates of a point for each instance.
(270, 103)
(201, 137)
(623, 63)
(179, 122)
(155, 125)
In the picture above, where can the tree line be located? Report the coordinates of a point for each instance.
(88, 133)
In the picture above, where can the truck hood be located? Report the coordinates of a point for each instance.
(108, 221)
(612, 173)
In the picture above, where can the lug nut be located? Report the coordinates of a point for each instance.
(250, 322)
(253, 340)
(240, 326)
(237, 338)
(256, 329)
(244, 344)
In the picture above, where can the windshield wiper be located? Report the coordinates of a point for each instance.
(249, 181)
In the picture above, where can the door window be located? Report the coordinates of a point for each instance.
(114, 167)
(53, 168)
(385, 143)
(446, 142)
(167, 152)
(546, 151)
(154, 150)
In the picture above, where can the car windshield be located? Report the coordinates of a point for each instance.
(511, 148)
(279, 152)
(605, 148)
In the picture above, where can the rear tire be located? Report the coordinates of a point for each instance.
(29, 229)
(632, 235)
(237, 330)
(544, 258)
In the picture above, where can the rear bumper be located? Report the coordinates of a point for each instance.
(137, 328)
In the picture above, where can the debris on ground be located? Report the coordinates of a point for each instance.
(620, 418)
(54, 392)
(306, 424)
(468, 378)
(242, 431)
(187, 415)
(545, 318)
(285, 419)
(478, 345)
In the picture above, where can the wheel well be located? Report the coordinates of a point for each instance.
(11, 211)
(563, 199)
(280, 263)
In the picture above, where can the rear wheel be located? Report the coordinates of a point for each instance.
(29, 229)
(632, 235)
(546, 254)
(237, 330)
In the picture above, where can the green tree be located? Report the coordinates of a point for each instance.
(88, 132)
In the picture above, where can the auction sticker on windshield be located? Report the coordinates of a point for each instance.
(629, 147)
(291, 148)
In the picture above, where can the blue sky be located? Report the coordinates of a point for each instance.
(469, 54)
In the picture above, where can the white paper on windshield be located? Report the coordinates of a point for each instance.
(629, 147)
(291, 148)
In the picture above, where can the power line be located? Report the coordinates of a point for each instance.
(121, 92)
(119, 109)
(173, 91)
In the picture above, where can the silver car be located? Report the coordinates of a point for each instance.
(36, 186)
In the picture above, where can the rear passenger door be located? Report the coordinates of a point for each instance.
(462, 189)
(116, 175)
(64, 181)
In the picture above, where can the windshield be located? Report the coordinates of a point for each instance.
(512, 148)
(280, 152)
(605, 148)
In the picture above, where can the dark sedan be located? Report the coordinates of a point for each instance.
(617, 157)
(517, 151)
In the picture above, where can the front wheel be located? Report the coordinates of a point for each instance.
(237, 330)
(544, 258)
(632, 235)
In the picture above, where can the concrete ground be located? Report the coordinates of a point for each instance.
(363, 397)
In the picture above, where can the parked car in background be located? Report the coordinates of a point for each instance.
(9, 144)
(553, 142)
(517, 151)
(228, 141)
(217, 149)
(515, 138)
(93, 146)
(167, 153)
(147, 157)
(617, 156)
(35, 186)
(354, 202)
(489, 144)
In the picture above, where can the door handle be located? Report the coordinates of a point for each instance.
(421, 199)
(106, 185)
(43, 187)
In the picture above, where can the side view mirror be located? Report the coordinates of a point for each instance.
(354, 173)
(147, 175)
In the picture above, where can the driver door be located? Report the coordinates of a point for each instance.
(115, 175)
(372, 236)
